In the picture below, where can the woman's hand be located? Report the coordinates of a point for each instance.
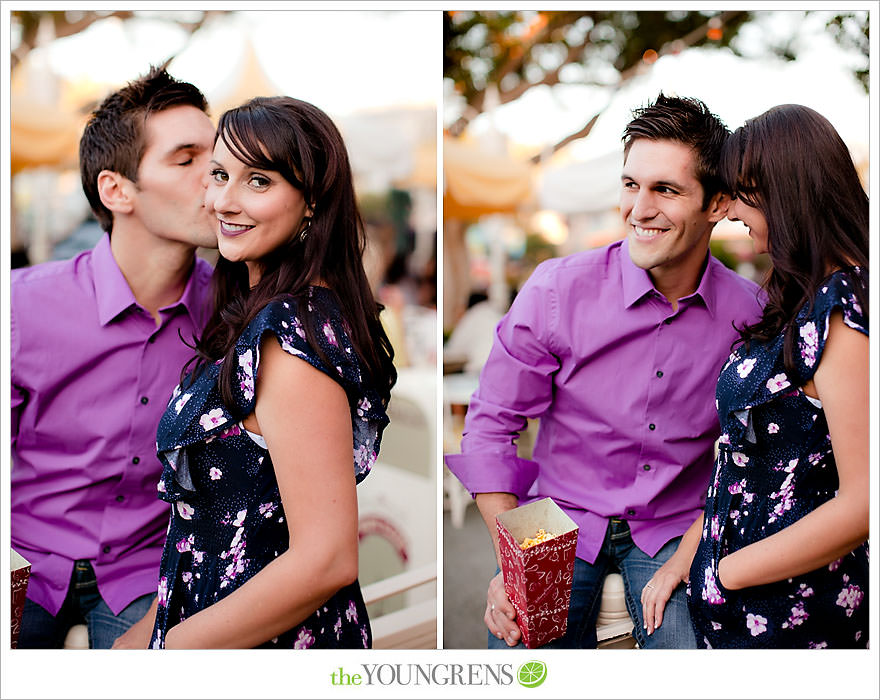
(675, 571)
(138, 635)
(500, 615)
(658, 590)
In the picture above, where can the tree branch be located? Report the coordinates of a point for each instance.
(686, 41)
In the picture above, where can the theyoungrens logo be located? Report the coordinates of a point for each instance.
(529, 675)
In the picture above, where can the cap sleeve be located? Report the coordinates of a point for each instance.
(282, 318)
(836, 294)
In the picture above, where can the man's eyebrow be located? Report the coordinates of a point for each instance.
(184, 147)
(658, 183)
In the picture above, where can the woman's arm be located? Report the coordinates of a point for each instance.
(138, 635)
(837, 527)
(304, 417)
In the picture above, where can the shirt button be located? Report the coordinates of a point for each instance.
(106, 550)
(119, 499)
(651, 426)
(647, 467)
(659, 372)
(630, 512)
(144, 400)
(135, 460)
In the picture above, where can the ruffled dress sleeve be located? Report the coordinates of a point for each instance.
(340, 363)
(197, 414)
(836, 294)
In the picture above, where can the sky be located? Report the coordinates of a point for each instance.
(734, 88)
(341, 60)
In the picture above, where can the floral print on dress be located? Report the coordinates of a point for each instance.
(227, 521)
(774, 466)
(246, 374)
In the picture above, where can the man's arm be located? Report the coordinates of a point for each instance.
(516, 384)
(500, 615)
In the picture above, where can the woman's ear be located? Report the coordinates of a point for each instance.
(116, 192)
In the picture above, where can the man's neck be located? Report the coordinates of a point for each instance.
(679, 283)
(156, 269)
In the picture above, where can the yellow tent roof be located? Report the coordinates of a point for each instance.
(247, 82)
(44, 130)
(478, 182)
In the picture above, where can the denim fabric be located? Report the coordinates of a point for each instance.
(83, 605)
(618, 553)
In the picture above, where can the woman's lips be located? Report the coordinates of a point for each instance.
(229, 229)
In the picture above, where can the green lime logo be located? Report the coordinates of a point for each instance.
(532, 673)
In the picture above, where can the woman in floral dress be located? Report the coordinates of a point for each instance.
(779, 558)
(264, 441)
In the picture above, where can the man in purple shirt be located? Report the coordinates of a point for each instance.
(97, 349)
(617, 351)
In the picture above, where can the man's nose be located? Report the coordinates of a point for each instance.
(644, 206)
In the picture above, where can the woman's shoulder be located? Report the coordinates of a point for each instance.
(309, 326)
(838, 292)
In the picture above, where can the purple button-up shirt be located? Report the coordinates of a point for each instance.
(624, 389)
(91, 376)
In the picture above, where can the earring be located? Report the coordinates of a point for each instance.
(304, 233)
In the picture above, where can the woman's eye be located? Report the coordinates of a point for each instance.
(259, 181)
(219, 175)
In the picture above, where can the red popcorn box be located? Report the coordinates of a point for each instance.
(538, 579)
(20, 570)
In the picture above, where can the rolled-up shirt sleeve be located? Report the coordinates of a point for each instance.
(516, 384)
(19, 395)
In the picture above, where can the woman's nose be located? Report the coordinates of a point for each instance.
(224, 200)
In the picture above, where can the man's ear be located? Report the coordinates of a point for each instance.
(718, 207)
(116, 192)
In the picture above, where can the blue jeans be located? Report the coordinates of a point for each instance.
(83, 605)
(619, 553)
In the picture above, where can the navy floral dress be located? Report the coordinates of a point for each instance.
(227, 520)
(774, 466)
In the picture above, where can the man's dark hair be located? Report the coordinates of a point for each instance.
(113, 138)
(686, 120)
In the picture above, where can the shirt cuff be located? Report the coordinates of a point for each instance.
(491, 473)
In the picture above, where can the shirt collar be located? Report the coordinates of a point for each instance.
(637, 282)
(193, 297)
(115, 296)
(112, 292)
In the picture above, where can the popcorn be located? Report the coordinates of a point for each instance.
(541, 536)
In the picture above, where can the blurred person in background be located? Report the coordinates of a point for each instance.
(96, 347)
(781, 551)
(599, 346)
(265, 440)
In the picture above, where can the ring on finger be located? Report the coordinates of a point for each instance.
(649, 585)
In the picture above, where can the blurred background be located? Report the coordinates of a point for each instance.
(534, 107)
(375, 73)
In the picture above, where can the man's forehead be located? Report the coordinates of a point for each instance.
(660, 159)
(178, 128)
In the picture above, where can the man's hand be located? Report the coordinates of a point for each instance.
(500, 615)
